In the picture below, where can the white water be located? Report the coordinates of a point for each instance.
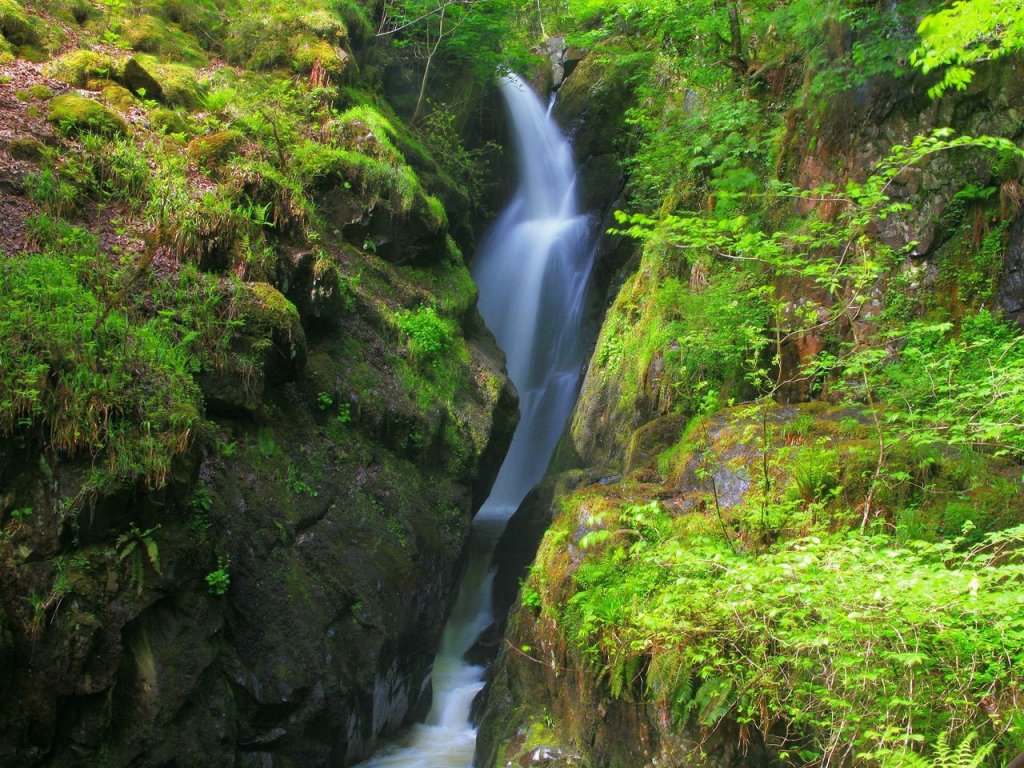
(532, 270)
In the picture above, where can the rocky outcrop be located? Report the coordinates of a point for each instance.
(547, 708)
(1011, 283)
(547, 703)
(279, 602)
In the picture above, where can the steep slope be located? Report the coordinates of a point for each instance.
(247, 404)
(786, 525)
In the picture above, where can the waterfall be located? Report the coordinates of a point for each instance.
(532, 270)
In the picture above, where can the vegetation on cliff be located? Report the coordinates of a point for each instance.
(241, 374)
(840, 581)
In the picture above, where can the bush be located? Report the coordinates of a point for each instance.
(426, 334)
(856, 643)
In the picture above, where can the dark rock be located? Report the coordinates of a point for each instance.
(401, 238)
(486, 646)
(518, 546)
(1011, 283)
(139, 80)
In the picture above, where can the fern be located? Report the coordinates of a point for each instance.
(964, 755)
(713, 700)
(670, 680)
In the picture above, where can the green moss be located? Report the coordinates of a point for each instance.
(119, 97)
(38, 92)
(208, 152)
(265, 310)
(72, 113)
(15, 24)
(145, 33)
(167, 121)
(149, 34)
(77, 67)
(171, 83)
(325, 24)
(288, 36)
(433, 213)
(26, 148)
(73, 11)
(313, 51)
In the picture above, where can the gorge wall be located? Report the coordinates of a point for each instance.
(235, 545)
(572, 688)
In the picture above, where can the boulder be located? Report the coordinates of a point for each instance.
(72, 113)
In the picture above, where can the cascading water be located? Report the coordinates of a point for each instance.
(532, 271)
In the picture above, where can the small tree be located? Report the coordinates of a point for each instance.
(470, 30)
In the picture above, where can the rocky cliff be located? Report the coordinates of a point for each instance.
(249, 406)
(582, 679)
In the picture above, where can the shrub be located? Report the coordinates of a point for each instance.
(857, 643)
(426, 334)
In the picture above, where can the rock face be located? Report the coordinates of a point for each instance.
(575, 703)
(546, 704)
(1011, 285)
(340, 532)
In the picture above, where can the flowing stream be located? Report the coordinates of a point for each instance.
(532, 271)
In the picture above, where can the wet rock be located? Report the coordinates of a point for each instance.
(550, 756)
(1011, 283)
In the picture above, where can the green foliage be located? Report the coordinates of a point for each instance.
(426, 334)
(298, 486)
(708, 337)
(965, 389)
(136, 548)
(82, 374)
(960, 37)
(917, 635)
(219, 580)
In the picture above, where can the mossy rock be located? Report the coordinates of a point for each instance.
(324, 24)
(98, 83)
(119, 97)
(73, 11)
(149, 34)
(211, 151)
(198, 17)
(166, 120)
(312, 51)
(145, 33)
(15, 24)
(266, 314)
(170, 83)
(264, 309)
(38, 92)
(26, 148)
(72, 113)
(78, 67)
